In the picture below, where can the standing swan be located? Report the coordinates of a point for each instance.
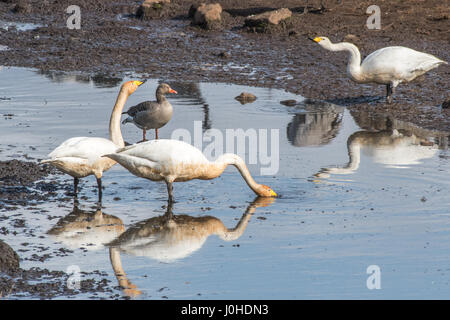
(81, 156)
(389, 66)
(176, 161)
(152, 114)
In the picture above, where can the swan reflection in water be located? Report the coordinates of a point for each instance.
(319, 125)
(392, 148)
(89, 229)
(170, 237)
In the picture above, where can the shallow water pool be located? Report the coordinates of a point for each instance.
(354, 192)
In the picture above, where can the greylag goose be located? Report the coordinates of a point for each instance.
(152, 114)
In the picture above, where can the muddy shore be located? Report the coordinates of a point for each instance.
(26, 184)
(112, 41)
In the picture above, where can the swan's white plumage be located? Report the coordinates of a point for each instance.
(164, 151)
(397, 64)
(82, 150)
(389, 66)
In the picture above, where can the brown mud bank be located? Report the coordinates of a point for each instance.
(22, 184)
(113, 41)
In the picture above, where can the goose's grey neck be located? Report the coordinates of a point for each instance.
(160, 97)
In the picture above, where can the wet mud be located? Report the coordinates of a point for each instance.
(166, 45)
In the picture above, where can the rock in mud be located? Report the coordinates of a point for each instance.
(351, 38)
(246, 97)
(289, 103)
(224, 54)
(22, 7)
(446, 104)
(9, 260)
(261, 22)
(207, 16)
(151, 9)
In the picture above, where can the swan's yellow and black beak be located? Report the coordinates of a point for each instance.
(316, 39)
(138, 83)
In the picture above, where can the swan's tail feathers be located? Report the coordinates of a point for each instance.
(45, 161)
(129, 119)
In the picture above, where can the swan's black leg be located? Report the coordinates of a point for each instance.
(389, 92)
(75, 186)
(170, 191)
(169, 212)
(99, 184)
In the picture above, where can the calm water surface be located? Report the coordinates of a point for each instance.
(354, 192)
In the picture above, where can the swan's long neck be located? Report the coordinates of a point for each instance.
(354, 64)
(236, 232)
(354, 155)
(128, 287)
(114, 123)
(231, 159)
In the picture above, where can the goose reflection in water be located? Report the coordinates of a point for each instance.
(89, 229)
(392, 148)
(317, 126)
(170, 237)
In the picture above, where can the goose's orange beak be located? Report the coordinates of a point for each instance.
(172, 91)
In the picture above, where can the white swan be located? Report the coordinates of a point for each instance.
(389, 66)
(82, 156)
(176, 161)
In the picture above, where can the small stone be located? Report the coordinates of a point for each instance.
(151, 8)
(446, 104)
(351, 38)
(9, 260)
(246, 97)
(22, 7)
(270, 17)
(207, 16)
(224, 54)
(289, 103)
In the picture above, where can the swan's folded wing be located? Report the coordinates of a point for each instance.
(165, 151)
(404, 62)
(84, 147)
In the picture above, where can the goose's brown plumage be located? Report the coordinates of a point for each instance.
(152, 114)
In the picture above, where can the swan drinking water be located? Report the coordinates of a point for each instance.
(82, 156)
(389, 66)
(177, 161)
